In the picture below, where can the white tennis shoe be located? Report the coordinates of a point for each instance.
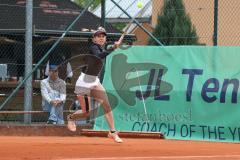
(115, 137)
(71, 124)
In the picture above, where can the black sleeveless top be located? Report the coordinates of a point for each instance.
(93, 60)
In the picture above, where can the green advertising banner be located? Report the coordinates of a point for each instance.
(187, 93)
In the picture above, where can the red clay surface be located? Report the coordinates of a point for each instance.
(91, 148)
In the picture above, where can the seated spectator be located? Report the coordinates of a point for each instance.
(53, 90)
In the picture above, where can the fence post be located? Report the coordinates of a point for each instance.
(28, 61)
(215, 30)
(103, 13)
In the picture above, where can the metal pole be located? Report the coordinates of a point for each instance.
(103, 13)
(28, 61)
(134, 20)
(215, 30)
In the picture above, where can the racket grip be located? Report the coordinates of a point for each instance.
(121, 38)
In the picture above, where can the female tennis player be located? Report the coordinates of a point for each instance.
(88, 84)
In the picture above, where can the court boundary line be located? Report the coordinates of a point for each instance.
(157, 157)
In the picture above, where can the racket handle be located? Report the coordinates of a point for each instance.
(125, 32)
(121, 38)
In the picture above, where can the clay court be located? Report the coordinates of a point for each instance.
(93, 148)
(176, 70)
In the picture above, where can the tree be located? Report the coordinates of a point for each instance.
(174, 26)
(83, 3)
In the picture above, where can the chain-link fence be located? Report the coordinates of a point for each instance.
(212, 19)
(51, 18)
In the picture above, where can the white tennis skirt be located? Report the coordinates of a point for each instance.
(85, 83)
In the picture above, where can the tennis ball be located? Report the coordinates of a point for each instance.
(139, 4)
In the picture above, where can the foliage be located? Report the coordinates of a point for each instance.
(174, 26)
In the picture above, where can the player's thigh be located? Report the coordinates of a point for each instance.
(99, 93)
